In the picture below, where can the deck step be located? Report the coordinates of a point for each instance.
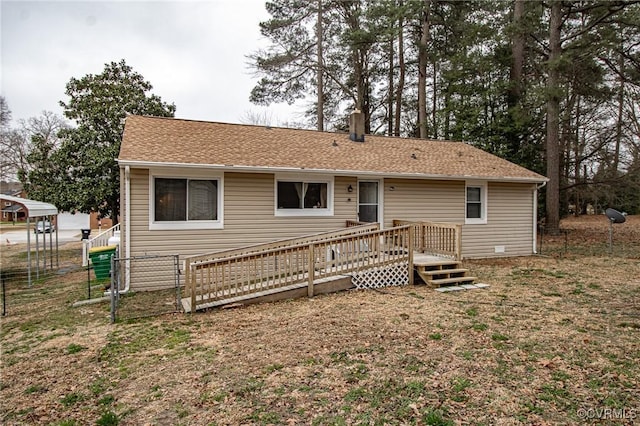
(443, 272)
(452, 281)
(440, 264)
(450, 272)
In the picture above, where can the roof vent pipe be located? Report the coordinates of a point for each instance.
(356, 126)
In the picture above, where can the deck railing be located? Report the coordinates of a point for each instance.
(436, 238)
(352, 223)
(100, 240)
(295, 265)
(350, 230)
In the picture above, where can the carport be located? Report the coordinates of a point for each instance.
(38, 211)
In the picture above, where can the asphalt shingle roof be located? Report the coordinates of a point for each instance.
(156, 140)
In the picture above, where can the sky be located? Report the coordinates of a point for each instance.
(194, 53)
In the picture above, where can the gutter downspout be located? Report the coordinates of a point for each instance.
(29, 248)
(127, 227)
(535, 216)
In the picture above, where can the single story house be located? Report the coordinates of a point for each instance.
(191, 187)
(11, 211)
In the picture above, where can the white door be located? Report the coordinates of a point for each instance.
(369, 207)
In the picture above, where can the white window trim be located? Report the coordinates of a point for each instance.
(187, 224)
(322, 212)
(483, 202)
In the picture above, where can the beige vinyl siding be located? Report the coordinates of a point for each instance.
(509, 214)
(509, 223)
(249, 217)
(423, 200)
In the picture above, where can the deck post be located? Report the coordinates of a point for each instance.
(458, 242)
(189, 284)
(311, 271)
(409, 231)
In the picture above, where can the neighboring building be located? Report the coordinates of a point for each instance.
(189, 187)
(12, 212)
(10, 187)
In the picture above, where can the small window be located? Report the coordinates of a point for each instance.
(302, 195)
(476, 204)
(180, 203)
(303, 198)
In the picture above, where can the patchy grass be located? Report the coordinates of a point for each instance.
(552, 335)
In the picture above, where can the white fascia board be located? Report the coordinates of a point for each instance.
(335, 172)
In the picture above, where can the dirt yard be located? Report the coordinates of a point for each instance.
(555, 339)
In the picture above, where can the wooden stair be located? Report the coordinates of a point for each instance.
(440, 273)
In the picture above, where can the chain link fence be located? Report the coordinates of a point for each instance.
(619, 240)
(144, 286)
(17, 281)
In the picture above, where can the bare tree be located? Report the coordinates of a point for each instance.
(40, 138)
(257, 117)
(13, 145)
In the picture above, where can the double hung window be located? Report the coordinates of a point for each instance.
(303, 197)
(476, 203)
(186, 203)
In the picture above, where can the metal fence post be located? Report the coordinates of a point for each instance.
(176, 265)
(4, 294)
(113, 291)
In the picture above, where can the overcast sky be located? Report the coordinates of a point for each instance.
(192, 52)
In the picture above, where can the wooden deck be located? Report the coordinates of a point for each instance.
(228, 277)
(422, 259)
(289, 268)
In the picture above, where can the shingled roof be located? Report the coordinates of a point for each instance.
(149, 141)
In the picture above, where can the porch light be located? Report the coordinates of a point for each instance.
(350, 188)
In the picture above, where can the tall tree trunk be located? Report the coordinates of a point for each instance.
(616, 153)
(577, 157)
(553, 120)
(566, 137)
(422, 70)
(517, 56)
(359, 61)
(447, 114)
(402, 69)
(390, 91)
(434, 102)
(513, 129)
(320, 83)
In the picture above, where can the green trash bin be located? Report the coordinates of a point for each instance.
(101, 260)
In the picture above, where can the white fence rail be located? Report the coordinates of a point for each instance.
(100, 240)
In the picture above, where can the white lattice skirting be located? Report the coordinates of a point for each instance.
(387, 276)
